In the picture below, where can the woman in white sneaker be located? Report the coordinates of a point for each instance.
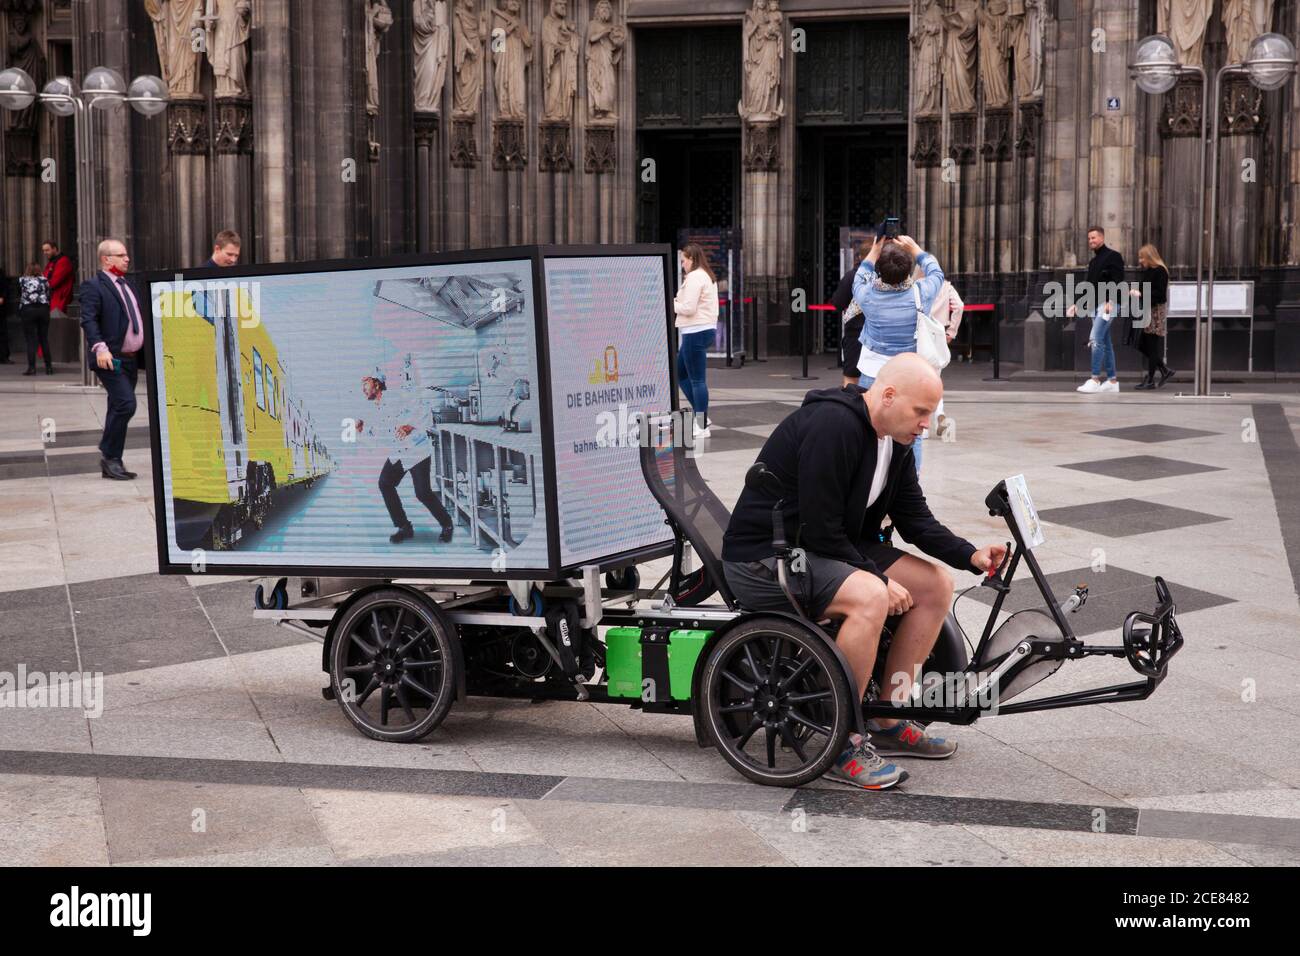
(696, 306)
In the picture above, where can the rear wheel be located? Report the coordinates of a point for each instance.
(393, 666)
(777, 702)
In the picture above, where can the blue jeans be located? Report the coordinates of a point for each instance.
(692, 367)
(1103, 350)
(866, 382)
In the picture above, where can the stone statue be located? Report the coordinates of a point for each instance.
(228, 46)
(927, 41)
(559, 62)
(26, 54)
(514, 51)
(960, 41)
(1243, 20)
(469, 30)
(174, 22)
(1028, 26)
(995, 48)
(1184, 22)
(764, 53)
(432, 41)
(378, 19)
(605, 41)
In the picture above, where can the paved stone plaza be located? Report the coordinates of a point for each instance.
(215, 745)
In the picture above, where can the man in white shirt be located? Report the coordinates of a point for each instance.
(397, 422)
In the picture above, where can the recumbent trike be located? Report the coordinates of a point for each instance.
(770, 690)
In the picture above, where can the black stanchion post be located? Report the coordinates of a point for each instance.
(754, 338)
(997, 342)
(803, 348)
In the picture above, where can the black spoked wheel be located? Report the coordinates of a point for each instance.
(777, 703)
(393, 666)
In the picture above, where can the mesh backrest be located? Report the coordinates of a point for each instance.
(681, 490)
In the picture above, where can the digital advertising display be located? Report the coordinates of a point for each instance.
(609, 361)
(352, 419)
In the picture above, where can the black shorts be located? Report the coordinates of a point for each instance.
(755, 584)
(852, 347)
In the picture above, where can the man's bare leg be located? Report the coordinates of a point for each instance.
(931, 590)
(862, 603)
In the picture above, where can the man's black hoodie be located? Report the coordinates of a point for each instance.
(825, 456)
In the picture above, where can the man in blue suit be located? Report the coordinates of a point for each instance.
(114, 326)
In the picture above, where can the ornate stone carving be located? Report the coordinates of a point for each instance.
(469, 30)
(20, 152)
(25, 52)
(556, 148)
(510, 64)
(187, 128)
(1028, 27)
(229, 27)
(1243, 107)
(995, 50)
(1243, 20)
(762, 147)
(1181, 116)
(961, 147)
(927, 44)
(234, 126)
(764, 53)
(960, 40)
(378, 19)
(601, 151)
(929, 143)
(509, 145)
(464, 144)
(997, 136)
(426, 129)
(1184, 22)
(606, 38)
(559, 63)
(174, 23)
(432, 40)
(1027, 130)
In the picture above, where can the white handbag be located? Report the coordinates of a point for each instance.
(931, 336)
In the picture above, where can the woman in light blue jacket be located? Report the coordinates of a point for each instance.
(883, 291)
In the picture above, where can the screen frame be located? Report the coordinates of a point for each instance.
(536, 255)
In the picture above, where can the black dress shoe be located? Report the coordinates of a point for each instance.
(447, 532)
(401, 534)
(114, 470)
(1165, 375)
(1145, 384)
(30, 371)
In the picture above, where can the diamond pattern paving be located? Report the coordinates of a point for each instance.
(1141, 467)
(1152, 433)
(1124, 517)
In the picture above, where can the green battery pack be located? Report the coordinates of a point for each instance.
(634, 655)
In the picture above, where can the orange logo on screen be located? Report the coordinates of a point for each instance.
(606, 373)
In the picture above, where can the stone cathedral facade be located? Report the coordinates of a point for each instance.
(999, 130)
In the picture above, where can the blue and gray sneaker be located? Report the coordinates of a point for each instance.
(860, 766)
(907, 738)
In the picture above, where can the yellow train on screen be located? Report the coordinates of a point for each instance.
(238, 436)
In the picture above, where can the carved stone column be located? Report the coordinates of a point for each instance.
(428, 209)
(232, 184)
(187, 144)
(1243, 123)
(962, 148)
(999, 199)
(1180, 129)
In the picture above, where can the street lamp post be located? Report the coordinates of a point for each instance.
(104, 88)
(1270, 63)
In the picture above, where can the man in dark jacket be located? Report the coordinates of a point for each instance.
(225, 250)
(114, 326)
(844, 460)
(1105, 270)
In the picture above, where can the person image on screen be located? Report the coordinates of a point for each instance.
(395, 422)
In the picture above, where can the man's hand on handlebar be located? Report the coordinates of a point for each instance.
(989, 559)
(900, 599)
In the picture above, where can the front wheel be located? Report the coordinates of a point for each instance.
(393, 666)
(777, 703)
